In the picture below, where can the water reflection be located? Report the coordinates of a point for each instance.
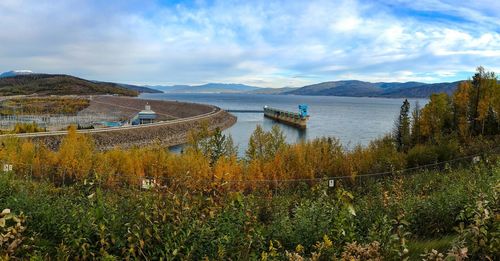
(353, 120)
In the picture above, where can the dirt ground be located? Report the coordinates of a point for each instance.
(126, 108)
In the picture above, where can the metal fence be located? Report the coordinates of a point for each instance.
(55, 122)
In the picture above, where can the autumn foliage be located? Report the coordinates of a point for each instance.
(43, 106)
(447, 127)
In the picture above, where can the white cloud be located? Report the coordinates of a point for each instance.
(273, 43)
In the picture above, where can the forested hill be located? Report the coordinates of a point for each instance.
(56, 84)
(140, 89)
(422, 91)
(355, 88)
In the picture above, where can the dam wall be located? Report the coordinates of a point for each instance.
(176, 121)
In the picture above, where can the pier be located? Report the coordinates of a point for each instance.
(245, 111)
(290, 118)
(296, 119)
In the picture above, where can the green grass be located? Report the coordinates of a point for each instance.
(419, 246)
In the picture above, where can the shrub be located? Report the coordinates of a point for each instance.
(421, 155)
(479, 229)
(368, 252)
(27, 128)
(11, 233)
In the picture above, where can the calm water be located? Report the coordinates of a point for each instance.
(352, 120)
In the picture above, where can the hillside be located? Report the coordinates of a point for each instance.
(380, 89)
(422, 91)
(339, 88)
(140, 89)
(54, 84)
(398, 85)
(207, 88)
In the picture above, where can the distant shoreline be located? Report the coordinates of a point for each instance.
(281, 94)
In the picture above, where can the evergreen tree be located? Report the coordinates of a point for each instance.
(415, 131)
(218, 146)
(491, 123)
(475, 96)
(402, 128)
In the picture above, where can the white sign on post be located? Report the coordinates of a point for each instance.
(148, 183)
(7, 167)
(476, 159)
(331, 183)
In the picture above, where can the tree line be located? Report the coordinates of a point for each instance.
(449, 122)
(448, 126)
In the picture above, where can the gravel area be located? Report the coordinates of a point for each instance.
(125, 108)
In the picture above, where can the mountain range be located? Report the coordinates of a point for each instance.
(355, 88)
(351, 88)
(207, 88)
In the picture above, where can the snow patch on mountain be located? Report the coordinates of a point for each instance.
(15, 73)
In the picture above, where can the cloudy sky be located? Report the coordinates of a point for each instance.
(264, 43)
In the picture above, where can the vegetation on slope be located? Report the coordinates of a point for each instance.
(140, 89)
(380, 89)
(273, 204)
(43, 106)
(23, 128)
(389, 219)
(51, 84)
(422, 91)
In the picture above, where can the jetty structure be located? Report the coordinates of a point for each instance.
(295, 119)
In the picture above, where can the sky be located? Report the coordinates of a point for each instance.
(268, 43)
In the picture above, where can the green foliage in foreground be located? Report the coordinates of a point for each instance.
(450, 210)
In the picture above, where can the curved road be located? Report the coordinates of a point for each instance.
(215, 111)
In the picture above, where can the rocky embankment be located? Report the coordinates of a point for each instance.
(166, 135)
(178, 118)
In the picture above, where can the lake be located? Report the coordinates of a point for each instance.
(353, 120)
